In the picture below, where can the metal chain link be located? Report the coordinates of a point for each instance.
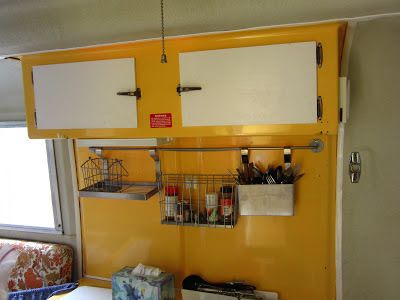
(163, 55)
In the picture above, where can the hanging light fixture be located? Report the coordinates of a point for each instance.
(163, 55)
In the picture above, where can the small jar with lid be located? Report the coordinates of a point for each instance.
(226, 204)
(171, 200)
(212, 207)
(183, 212)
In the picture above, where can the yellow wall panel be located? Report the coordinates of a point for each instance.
(293, 256)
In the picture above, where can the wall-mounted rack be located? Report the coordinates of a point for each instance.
(144, 190)
(200, 200)
(128, 191)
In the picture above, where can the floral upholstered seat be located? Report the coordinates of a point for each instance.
(39, 264)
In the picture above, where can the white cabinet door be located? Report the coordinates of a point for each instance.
(83, 95)
(275, 84)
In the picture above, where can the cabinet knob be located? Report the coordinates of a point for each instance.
(137, 93)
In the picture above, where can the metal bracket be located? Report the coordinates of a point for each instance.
(319, 108)
(355, 167)
(182, 89)
(319, 55)
(244, 153)
(154, 155)
(137, 93)
(287, 157)
(97, 151)
(317, 145)
(35, 117)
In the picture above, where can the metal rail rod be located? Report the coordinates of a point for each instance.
(210, 148)
(315, 145)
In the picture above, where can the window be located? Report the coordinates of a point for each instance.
(28, 182)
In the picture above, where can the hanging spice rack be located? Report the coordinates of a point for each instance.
(205, 200)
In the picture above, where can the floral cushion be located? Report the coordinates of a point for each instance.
(39, 265)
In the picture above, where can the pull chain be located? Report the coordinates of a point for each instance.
(163, 55)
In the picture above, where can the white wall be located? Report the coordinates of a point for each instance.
(371, 208)
(12, 106)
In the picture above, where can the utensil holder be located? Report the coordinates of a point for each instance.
(266, 199)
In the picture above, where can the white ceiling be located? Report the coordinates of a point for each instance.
(37, 25)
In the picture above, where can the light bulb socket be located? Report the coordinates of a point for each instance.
(164, 58)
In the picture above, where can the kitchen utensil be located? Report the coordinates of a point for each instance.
(287, 176)
(235, 178)
(279, 174)
(298, 177)
(257, 175)
(192, 282)
(234, 289)
(296, 170)
(256, 171)
(242, 179)
(250, 172)
(270, 179)
(272, 175)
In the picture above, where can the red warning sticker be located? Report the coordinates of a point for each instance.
(163, 120)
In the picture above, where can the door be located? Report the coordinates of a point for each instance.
(371, 208)
(83, 95)
(274, 84)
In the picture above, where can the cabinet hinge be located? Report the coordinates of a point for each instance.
(319, 55)
(32, 77)
(319, 108)
(35, 118)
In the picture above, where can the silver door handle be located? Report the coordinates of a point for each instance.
(355, 167)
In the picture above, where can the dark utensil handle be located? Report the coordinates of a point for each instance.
(279, 174)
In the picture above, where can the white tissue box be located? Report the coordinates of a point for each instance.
(127, 286)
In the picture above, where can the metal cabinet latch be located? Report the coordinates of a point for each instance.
(355, 167)
(137, 93)
(182, 89)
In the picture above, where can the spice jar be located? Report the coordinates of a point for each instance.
(171, 200)
(183, 212)
(226, 204)
(212, 207)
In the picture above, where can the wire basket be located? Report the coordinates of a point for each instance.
(103, 174)
(198, 200)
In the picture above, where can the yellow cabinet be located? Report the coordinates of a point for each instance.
(161, 112)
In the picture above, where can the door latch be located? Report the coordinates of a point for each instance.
(181, 89)
(355, 167)
(137, 93)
